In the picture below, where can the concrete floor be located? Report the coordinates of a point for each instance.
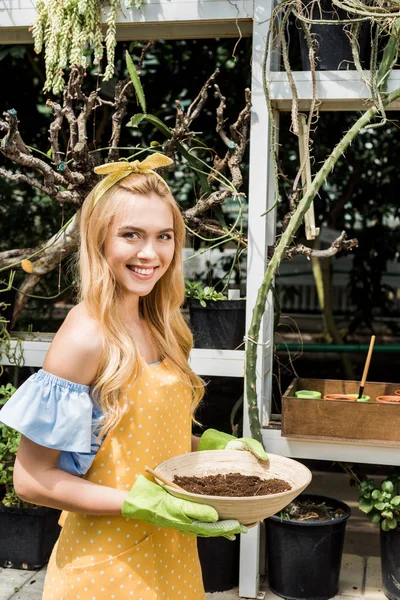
(360, 574)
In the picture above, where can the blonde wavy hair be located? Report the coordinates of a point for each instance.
(120, 361)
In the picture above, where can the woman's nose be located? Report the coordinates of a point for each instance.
(147, 250)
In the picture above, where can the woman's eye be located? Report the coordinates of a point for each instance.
(166, 236)
(131, 235)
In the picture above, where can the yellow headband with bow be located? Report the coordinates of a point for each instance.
(119, 170)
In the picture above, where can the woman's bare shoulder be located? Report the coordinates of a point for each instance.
(76, 348)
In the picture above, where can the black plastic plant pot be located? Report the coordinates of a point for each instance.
(218, 325)
(333, 43)
(27, 536)
(390, 563)
(304, 557)
(219, 559)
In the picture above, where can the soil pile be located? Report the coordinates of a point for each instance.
(232, 484)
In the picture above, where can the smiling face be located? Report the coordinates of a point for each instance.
(139, 244)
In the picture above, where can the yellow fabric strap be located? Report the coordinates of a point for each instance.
(119, 170)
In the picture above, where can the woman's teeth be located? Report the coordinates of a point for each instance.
(141, 271)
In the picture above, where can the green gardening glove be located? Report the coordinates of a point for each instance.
(152, 504)
(217, 440)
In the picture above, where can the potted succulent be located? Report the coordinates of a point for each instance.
(295, 569)
(216, 321)
(27, 532)
(382, 505)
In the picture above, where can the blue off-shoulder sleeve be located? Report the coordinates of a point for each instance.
(58, 414)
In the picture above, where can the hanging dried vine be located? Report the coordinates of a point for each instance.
(70, 30)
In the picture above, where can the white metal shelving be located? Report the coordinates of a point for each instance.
(226, 363)
(336, 90)
(157, 19)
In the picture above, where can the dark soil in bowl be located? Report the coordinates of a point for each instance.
(232, 484)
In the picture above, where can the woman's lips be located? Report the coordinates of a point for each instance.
(142, 272)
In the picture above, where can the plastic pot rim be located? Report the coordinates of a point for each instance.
(318, 498)
(218, 304)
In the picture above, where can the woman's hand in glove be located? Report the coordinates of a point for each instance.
(217, 440)
(151, 503)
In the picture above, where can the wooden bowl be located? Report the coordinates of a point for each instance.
(247, 510)
(397, 392)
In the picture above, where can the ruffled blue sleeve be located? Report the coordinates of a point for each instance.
(58, 414)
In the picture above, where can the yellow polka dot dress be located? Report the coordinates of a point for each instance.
(107, 557)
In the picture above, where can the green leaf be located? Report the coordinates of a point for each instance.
(160, 125)
(136, 82)
(387, 514)
(388, 487)
(395, 501)
(197, 166)
(136, 120)
(389, 56)
(192, 160)
(385, 525)
(365, 504)
(380, 506)
(376, 495)
(374, 517)
(391, 523)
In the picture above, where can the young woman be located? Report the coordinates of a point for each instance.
(115, 394)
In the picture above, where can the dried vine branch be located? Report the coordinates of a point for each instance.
(340, 244)
(183, 120)
(58, 247)
(236, 147)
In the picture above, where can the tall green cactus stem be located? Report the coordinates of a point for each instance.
(279, 253)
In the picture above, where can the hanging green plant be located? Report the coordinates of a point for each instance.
(67, 30)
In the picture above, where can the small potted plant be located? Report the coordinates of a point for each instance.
(381, 502)
(216, 321)
(27, 532)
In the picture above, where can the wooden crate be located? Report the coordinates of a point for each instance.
(308, 418)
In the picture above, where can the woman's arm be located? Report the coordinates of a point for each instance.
(74, 355)
(38, 480)
(195, 442)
